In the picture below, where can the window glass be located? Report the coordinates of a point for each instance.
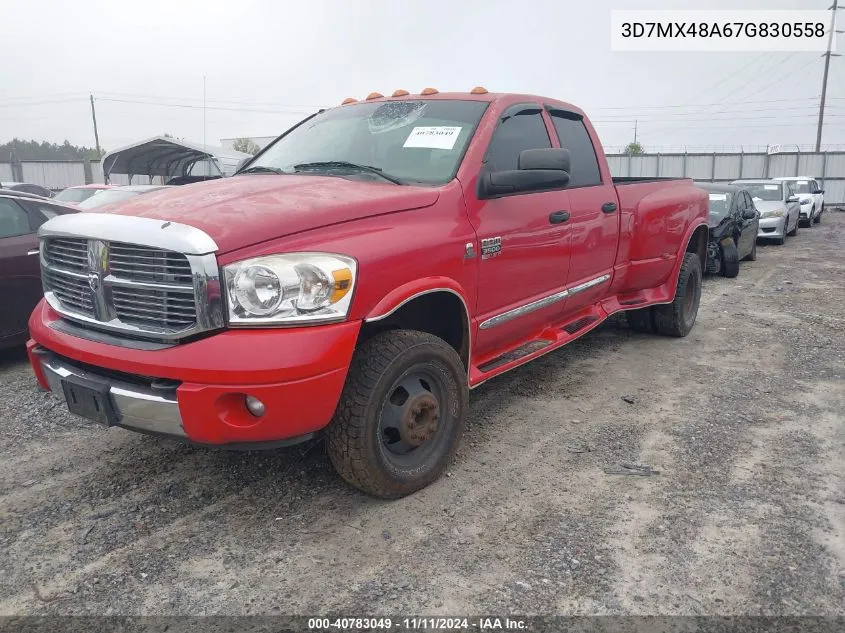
(584, 165)
(414, 141)
(523, 130)
(13, 219)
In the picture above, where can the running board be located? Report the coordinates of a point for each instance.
(514, 354)
(580, 324)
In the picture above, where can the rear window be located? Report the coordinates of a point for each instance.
(720, 204)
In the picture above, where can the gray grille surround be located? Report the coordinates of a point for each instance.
(141, 277)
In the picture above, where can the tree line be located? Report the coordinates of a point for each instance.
(19, 149)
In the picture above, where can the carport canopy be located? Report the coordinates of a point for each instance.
(169, 158)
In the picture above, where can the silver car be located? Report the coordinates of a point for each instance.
(780, 211)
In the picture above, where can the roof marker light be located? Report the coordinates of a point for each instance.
(429, 91)
(349, 100)
(374, 95)
(478, 90)
(400, 93)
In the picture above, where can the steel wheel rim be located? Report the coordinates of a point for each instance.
(413, 420)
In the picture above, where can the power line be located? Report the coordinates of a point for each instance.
(199, 107)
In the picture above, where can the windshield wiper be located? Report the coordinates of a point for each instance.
(261, 169)
(342, 164)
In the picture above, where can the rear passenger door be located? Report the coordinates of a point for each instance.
(594, 216)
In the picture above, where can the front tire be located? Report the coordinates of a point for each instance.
(794, 231)
(677, 318)
(818, 219)
(401, 414)
(730, 259)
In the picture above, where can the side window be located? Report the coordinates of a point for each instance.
(523, 130)
(13, 219)
(749, 203)
(40, 213)
(584, 170)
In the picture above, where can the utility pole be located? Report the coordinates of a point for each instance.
(635, 131)
(203, 113)
(827, 57)
(96, 133)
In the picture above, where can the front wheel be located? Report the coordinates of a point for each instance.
(730, 259)
(678, 317)
(401, 413)
(794, 231)
(818, 219)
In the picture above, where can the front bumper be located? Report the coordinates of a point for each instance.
(772, 227)
(196, 391)
(806, 213)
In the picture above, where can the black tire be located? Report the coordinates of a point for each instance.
(818, 219)
(794, 231)
(730, 259)
(423, 429)
(678, 317)
(641, 320)
(752, 256)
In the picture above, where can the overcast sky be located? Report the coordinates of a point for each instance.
(270, 62)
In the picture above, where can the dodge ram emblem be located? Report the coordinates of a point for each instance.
(94, 281)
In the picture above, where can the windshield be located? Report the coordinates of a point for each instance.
(765, 192)
(107, 197)
(801, 186)
(409, 141)
(76, 194)
(719, 205)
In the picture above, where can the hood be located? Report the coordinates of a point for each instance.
(245, 210)
(769, 205)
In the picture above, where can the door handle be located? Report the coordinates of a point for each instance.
(608, 207)
(558, 217)
(32, 252)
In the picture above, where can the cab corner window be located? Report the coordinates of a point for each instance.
(523, 130)
(584, 165)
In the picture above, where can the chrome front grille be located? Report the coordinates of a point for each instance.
(143, 290)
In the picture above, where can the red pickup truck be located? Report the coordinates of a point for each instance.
(358, 277)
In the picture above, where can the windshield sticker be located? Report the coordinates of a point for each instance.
(719, 196)
(771, 187)
(433, 137)
(394, 115)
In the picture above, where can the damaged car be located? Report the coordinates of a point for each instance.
(733, 221)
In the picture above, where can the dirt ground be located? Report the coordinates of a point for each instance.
(744, 420)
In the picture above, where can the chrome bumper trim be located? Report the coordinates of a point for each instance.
(139, 409)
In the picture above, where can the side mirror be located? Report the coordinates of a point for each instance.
(539, 170)
(749, 214)
(792, 199)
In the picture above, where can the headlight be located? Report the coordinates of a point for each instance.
(773, 214)
(805, 201)
(295, 288)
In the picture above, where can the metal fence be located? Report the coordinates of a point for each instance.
(827, 167)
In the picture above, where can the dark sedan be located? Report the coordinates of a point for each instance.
(734, 222)
(20, 274)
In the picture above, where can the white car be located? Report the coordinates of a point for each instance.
(810, 195)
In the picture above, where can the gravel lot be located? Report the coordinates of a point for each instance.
(744, 420)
